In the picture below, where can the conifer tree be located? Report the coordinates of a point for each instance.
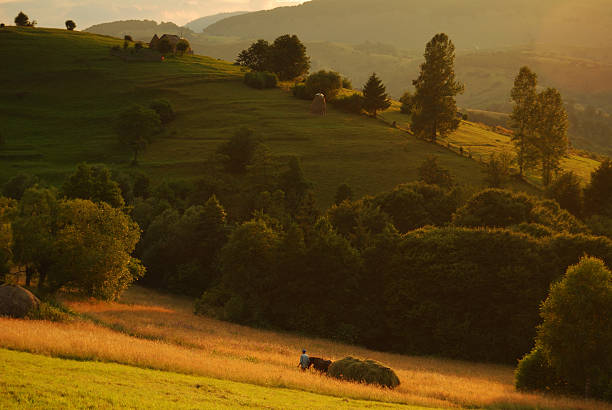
(551, 128)
(435, 108)
(523, 117)
(374, 95)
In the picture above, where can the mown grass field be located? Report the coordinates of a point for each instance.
(150, 330)
(60, 92)
(54, 383)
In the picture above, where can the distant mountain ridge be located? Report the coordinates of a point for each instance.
(408, 24)
(200, 24)
(138, 29)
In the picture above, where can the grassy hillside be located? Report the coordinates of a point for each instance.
(481, 142)
(581, 73)
(61, 383)
(151, 330)
(60, 92)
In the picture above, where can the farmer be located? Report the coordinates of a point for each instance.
(304, 360)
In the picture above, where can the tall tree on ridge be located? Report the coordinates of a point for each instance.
(374, 95)
(523, 119)
(551, 128)
(435, 108)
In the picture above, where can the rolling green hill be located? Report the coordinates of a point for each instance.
(62, 90)
(200, 24)
(582, 73)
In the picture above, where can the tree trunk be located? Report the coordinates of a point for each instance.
(42, 275)
(29, 272)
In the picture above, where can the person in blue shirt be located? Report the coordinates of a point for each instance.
(304, 360)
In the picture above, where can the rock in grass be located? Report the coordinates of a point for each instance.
(364, 371)
(16, 301)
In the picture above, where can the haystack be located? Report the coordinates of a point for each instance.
(16, 301)
(364, 371)
(318, 105)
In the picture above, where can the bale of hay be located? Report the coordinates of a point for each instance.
(318, 106)
(364, 371)
(16, 301)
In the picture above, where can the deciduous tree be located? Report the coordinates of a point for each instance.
(289, 59)
(135, 128)
(70, 25)
(257, 56)
(598, 194)
(551, 129)
(239, 150)
(22, 20)
(93, 182)
(576, 331)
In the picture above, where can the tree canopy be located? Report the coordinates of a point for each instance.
(286, 57)
(93, 182)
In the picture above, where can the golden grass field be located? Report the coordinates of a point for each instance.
(152, 330)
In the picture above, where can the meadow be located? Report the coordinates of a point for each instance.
(61, 91)
(66, 384)
(152, 330)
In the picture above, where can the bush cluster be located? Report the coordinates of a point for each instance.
(350, 103)
(364, 371)
(328, 83)
(261, 79)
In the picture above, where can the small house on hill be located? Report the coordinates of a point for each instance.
(172, 40)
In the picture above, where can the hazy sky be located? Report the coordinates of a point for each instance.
(53, 13)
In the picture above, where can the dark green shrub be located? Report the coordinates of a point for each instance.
(432, 173)
(239, 150)
(350, 103)
(535, 230)
(127, 37)
(343, 193)
(407, 101)
(327, 83)
(17, 185)
(51, 311)
(299, 91)
(501, 208)
(261, 79)
(364, 371)
(534, 372)
(346, 83)
(598, 195)
(567, 191)
(163, 108)
(418, 204)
